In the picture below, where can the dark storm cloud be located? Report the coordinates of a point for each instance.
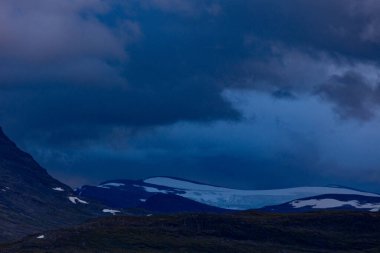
(283, 94)
(99, 74)
(345, 27)
(184, 7)
(158, 62)
(69, 64)
(57, 117)
(351, 94)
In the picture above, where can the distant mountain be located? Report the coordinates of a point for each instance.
(171, 203)
(132, 193)
(31, 200)
(329, 202)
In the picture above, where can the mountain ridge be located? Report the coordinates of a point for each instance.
(30, 199)
(130, 192)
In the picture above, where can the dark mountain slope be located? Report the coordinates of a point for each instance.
(30, 199)
(244, 232)
(170, 203)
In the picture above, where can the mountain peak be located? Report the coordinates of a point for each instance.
(32, 200)
(4, 140)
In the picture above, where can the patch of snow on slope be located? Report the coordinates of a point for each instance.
(59, 189)
(333, 203)
(102, 186)
(41, 237)
(243, 199)
(76, 200)
(175, 183)
(5, 189)
(111, 211)
(154, 190)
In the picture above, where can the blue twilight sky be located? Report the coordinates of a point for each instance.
(242, 93)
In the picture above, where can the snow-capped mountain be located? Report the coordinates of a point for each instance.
(171, 203)
(130, 193)
(329, 202)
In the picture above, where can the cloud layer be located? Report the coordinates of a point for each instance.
(89, 82)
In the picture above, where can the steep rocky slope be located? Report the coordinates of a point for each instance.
(30, 199)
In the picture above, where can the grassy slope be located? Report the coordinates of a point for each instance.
(247, 232)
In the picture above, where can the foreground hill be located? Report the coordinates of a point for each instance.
(30, 199)
(243, 232)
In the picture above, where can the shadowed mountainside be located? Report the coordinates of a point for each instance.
(30, 199)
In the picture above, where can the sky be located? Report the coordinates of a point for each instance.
(246, 93)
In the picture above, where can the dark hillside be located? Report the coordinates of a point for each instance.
(30, 199)
(245, 232)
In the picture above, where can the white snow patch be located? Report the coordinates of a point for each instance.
(333, 203)
(151, 189)
(111, 184)
(59, 189)
(76, 200)
(4, 189)
(101, 186)
(41, 237)
(243, 199)
(113, 212)
(154, 190)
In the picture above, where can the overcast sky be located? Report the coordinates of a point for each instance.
(242, 93)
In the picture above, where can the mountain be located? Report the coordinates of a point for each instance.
(248, 232)
(171, 203)
(329, 202)
(132, 193)
(31, 200)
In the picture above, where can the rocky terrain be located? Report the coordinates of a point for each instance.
(31, 200)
